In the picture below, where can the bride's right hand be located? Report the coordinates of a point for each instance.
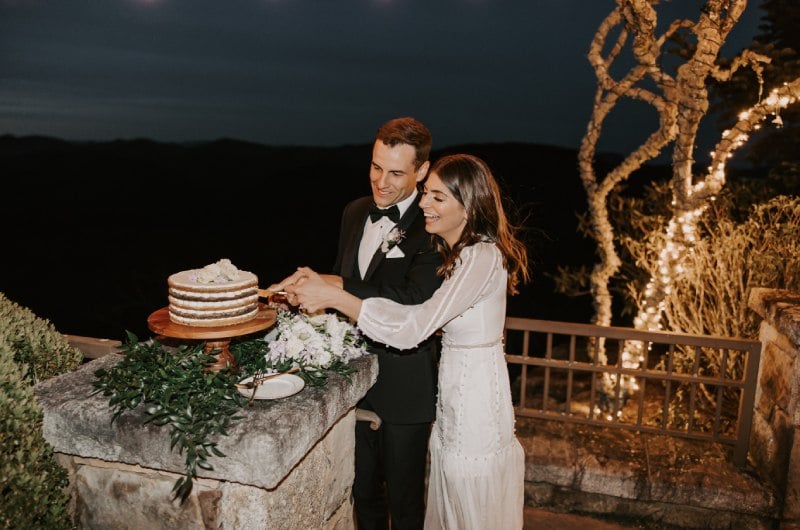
(311, 291)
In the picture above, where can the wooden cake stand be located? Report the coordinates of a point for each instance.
(217, 338)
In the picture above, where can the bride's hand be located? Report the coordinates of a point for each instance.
(312, 292)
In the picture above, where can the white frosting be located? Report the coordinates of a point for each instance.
(213, 322)
(176, 301)
(209, 313)
(211, 297)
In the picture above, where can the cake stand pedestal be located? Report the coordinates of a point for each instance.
(216, 338)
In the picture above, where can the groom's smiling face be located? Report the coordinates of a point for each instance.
(392, 174)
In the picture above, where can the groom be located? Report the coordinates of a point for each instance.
(384, 251)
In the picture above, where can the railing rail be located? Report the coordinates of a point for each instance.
(710, 381)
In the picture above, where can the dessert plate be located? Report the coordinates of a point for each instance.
(277, 387)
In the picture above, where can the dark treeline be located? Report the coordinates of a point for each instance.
(93, 230)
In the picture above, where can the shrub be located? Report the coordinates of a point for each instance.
(32, 485)
(730, 258)
(39, 349)
(710, 298)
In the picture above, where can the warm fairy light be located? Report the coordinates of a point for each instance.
(681, 230)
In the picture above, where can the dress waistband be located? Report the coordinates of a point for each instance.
(452, 346)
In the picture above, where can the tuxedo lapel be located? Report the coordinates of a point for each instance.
(354, 234)
(402, 224)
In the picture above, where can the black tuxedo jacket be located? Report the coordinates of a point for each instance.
(405, 391)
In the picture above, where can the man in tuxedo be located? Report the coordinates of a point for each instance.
(384, 251)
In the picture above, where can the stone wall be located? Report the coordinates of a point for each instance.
(288, 463)
(775, 440)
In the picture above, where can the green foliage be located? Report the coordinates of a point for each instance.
(39, 349)
(197, 405)
(32, 484)
(178, 391)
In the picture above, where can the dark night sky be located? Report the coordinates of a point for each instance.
(309, 72)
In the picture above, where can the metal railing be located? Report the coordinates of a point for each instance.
(689, 386)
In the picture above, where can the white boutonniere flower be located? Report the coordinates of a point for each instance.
(391, 239)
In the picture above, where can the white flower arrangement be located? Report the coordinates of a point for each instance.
(392, 239)
(313, 342)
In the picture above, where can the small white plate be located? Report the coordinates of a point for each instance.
(277, 387)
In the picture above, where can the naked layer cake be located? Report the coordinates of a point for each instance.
(219, 294)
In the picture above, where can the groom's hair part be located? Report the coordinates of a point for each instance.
(409, 131)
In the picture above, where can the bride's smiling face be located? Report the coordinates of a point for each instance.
(444, 215)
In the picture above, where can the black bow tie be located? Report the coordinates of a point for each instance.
(392, 213)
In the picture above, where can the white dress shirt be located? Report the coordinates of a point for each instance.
(374, 234)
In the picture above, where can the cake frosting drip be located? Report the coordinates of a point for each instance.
(218, 294)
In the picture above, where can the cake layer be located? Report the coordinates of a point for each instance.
(187, 281)
(213, 322)
(212, 313)
(216, 305)
(219, 296)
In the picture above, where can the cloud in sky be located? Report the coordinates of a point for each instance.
(304, 72)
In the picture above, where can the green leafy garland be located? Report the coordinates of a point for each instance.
(177, 390)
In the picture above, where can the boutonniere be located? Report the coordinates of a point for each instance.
(391, 239)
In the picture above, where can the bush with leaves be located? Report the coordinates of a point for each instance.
(736, 253)
(749, 237)
(40, 350)
(32, 484)
(731, 257)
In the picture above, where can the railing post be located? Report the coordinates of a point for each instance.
(746, 405)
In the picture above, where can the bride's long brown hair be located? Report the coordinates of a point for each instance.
(471, 182)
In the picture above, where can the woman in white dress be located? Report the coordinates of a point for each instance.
(477, 464)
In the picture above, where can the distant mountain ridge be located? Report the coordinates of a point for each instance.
(95, 228)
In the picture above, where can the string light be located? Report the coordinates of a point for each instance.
(681, 232)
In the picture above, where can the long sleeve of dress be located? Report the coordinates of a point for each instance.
(405, 326)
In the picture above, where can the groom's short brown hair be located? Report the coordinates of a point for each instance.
(409, 131)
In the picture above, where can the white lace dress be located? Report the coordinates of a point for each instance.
(477, 463)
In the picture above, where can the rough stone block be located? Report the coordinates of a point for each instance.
(119, 498)
(775, 377)
(791, 508)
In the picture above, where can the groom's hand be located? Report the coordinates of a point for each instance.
(289, 280)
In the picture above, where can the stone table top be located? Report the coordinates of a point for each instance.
(260, 449)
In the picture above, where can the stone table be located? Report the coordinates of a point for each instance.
(288, 463)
